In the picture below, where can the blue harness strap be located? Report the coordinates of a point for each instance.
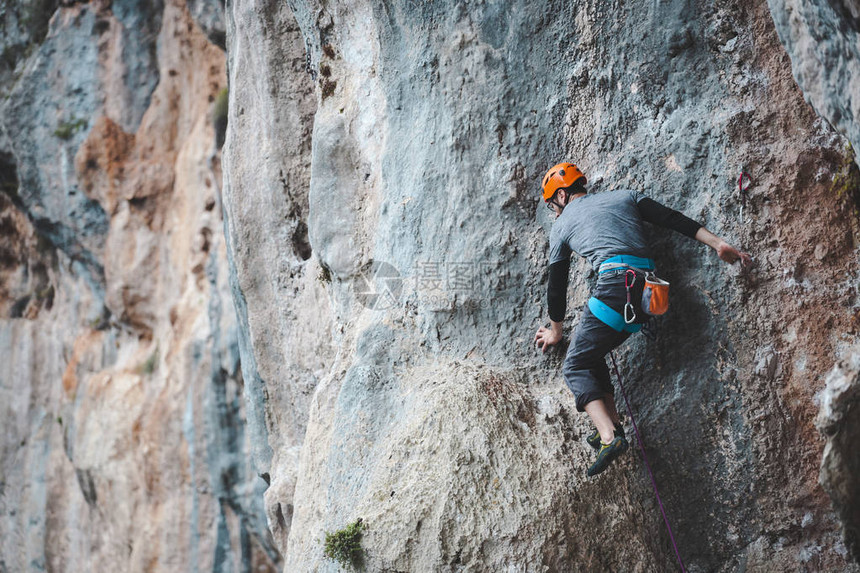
(611, 318)
(628, 260)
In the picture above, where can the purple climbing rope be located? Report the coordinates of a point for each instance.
(647, 465)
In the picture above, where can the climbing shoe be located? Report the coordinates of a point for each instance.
(606, 455)
(593, 438)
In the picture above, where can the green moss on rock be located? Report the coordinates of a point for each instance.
(219, 116)
(344, 546)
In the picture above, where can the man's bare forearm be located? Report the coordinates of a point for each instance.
(724, 250)
(705, 236)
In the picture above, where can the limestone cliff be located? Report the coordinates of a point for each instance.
(387, 355)
(121, 405)
(203, 380)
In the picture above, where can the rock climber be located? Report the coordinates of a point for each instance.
(607, 229)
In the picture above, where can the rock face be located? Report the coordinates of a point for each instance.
(385, 252)
(823, 39)
(388, 256)
(123, 423)
(840, 466)
(281, 302)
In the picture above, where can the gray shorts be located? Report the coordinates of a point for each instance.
(585, 370)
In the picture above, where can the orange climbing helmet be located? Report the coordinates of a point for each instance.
(560, 176)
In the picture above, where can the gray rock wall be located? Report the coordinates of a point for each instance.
(822, 38)
(414, 398)
(284, 309)
(385, 254)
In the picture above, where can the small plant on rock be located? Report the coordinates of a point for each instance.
(219, 116)
(344, 546)
(846, 182)
(150, 365)
(324, 275)
(66, 129)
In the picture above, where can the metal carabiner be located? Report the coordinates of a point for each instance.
(628, 308)
(632, 312)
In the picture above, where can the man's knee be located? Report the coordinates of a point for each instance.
(588, 380)
(582, 360)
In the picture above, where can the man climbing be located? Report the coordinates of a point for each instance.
(607, 229)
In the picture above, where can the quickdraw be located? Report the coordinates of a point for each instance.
(744, 182)
(308, 68)
(629, 311)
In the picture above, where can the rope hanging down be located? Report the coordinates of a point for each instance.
(647, 465)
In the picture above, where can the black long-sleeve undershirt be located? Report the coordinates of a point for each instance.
(663, 216)
(556, 290)
(651, 211)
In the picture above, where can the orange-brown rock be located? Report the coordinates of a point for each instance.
(121, 393)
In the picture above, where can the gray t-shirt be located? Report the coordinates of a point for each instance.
(598, 226)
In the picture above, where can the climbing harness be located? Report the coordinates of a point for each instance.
(655, 293)
(640, 264)
(606, 314)
(744, 182)
(610, 317)
(645, 459)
